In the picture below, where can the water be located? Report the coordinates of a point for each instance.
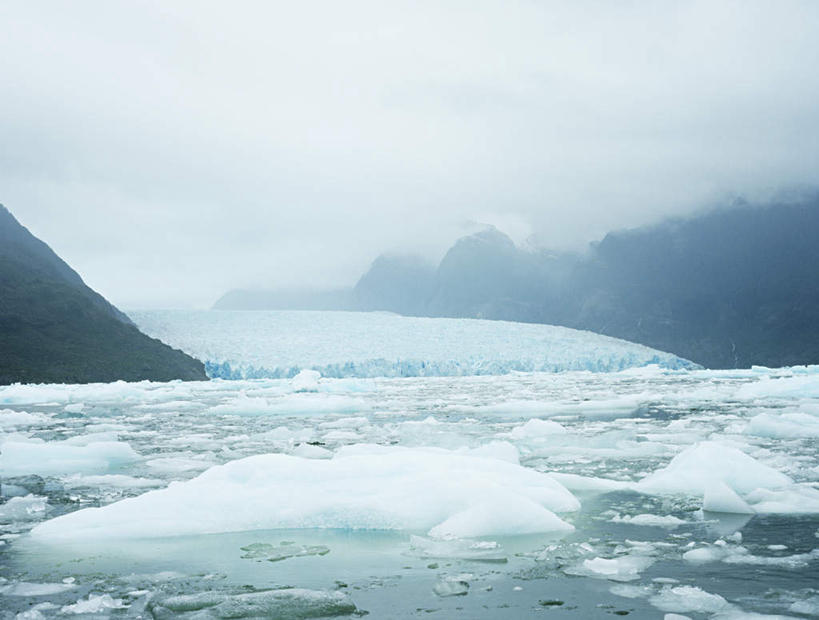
(99, 444)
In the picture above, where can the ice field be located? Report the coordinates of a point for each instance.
(639, 492)
(273, 345)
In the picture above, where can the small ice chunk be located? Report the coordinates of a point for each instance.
(622, 568)
(282, 551)
(704, 555)
(10, 419)
(719, 497)
(451, 586)
(94, 604)
(689, 598)
(23, 508)
(306, 381)
(535, 429)
(457, 549)
(648, 519)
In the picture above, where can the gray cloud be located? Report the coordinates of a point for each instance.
(170, 151)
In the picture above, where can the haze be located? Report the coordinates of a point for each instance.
(172, 151)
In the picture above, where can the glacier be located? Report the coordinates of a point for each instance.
(280, 344)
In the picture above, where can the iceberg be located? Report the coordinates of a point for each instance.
(283, 344)
(446, 493)
(698, 467)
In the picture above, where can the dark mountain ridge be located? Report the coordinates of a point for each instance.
(55, 329)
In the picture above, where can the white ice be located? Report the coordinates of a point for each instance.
(362, 487)
(371, 344)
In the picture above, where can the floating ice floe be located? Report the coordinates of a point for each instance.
(699, 466)
(620, 568)
(689, 599)
(78, 455)
(784, 426)
(363, 487)
(737, 554)
(282, 603)
(650, 520)
(458, 549)
(10, 419)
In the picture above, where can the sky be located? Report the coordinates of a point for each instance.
(171, 151)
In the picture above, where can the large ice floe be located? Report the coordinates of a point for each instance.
(451, 494)
(647, 491)
(277, 344)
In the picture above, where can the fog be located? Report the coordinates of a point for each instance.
(172, 151)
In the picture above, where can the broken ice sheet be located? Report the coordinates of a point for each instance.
(284, 550)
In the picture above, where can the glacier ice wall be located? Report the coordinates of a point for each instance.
(279, 344)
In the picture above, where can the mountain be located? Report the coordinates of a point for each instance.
(55, 329)
(733, 287)
(401, 284)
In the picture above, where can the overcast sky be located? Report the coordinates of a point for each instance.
(170, 151)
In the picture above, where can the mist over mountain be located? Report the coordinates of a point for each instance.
(732, 287)
(54, 328)
(405, 282)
